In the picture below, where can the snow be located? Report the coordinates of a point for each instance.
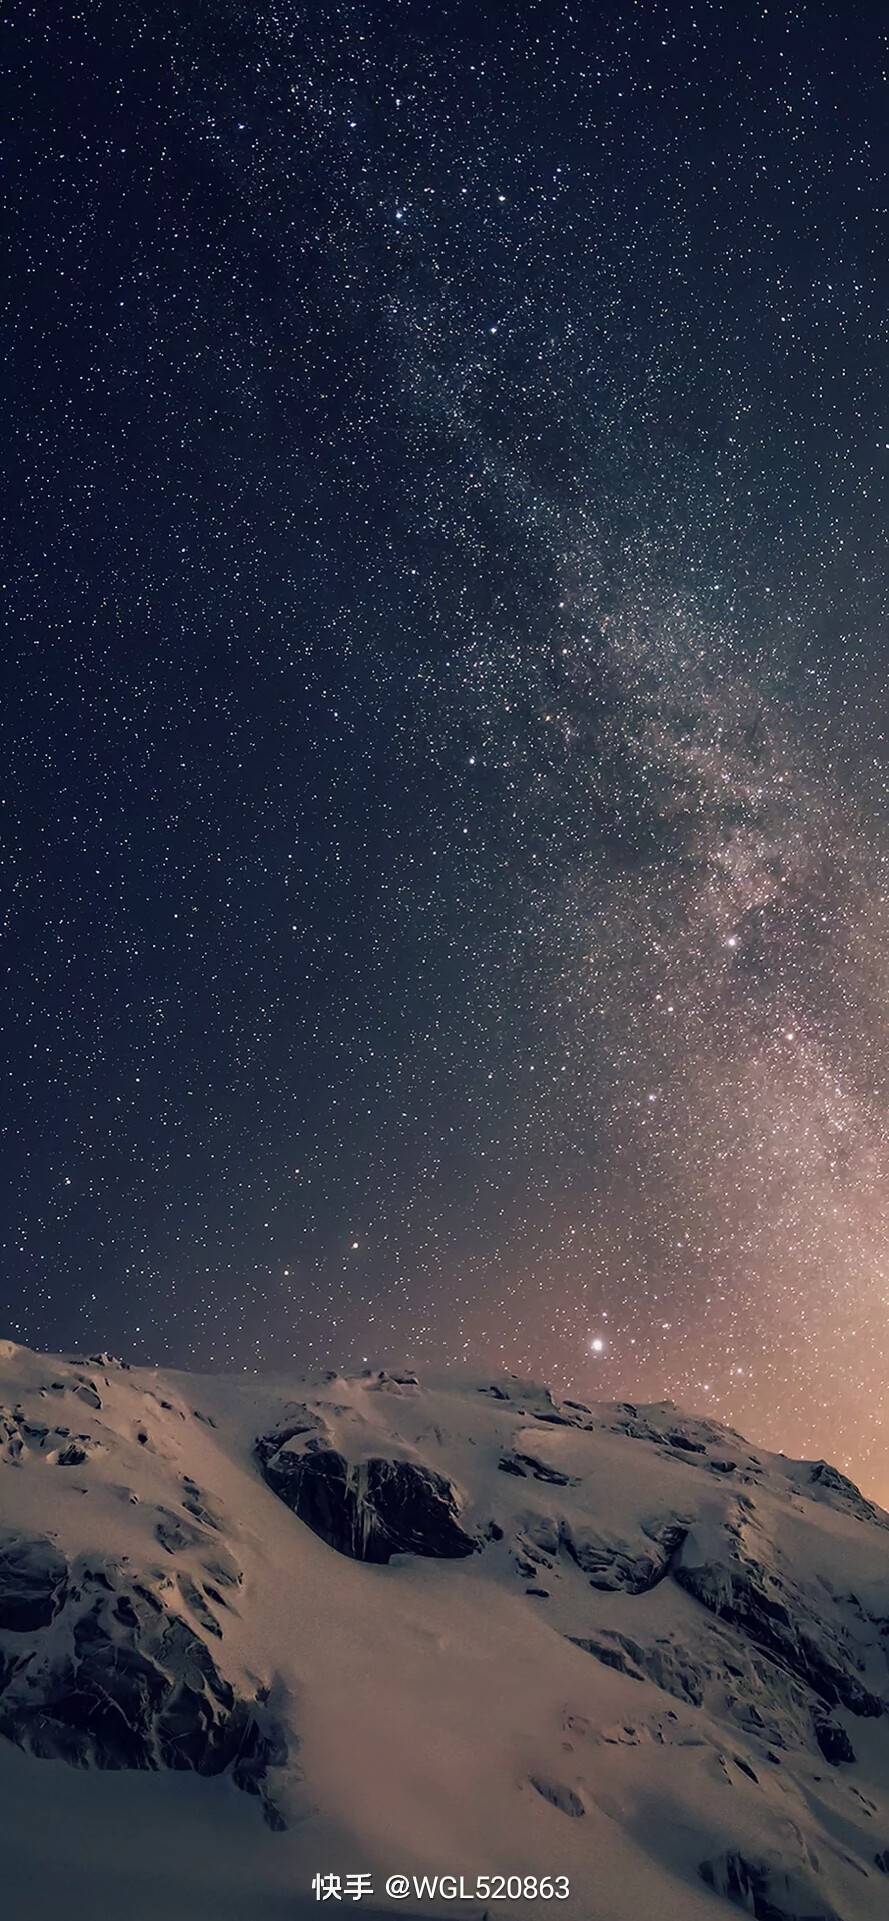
(443, 1715)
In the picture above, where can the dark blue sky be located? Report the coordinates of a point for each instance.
(446, 570)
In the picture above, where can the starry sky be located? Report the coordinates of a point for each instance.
(445, 839)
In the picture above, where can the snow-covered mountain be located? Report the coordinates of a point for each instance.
(257, 1629)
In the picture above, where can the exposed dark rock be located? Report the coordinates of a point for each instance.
(767, 1889)
(196, 1603)
(823, 1475)
(145, 1594)
(200, 1512)
(129, 1685)
(670, 1667)
(262, 1746)
(96, 1577)
(114, 1704)
(738, 1589)
(766, 1706)
(667, 1531)
(539, 1535)
(11, 1442)
(305, 1422)
(882, 1861)
(509, 1465)
(693, 1439)
(225, 1571)
(174, 1534)
(370, 1511)
(542, 1471)
(828, 1483)
(617, 1566)
(559, 1796)
(832, 1739)
(33, 1582)
(73, 1455)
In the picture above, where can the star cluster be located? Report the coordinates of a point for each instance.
(445, 841)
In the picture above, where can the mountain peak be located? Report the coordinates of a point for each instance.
(495, 1625)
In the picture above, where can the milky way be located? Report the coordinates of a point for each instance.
(445, 908)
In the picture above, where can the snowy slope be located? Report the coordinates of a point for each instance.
(613, 1644)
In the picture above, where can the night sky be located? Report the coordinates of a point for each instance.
(445, 859)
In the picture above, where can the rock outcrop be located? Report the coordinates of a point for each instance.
(370, 1510)
(618, 1566)
(33, 1582)
(767, 1888)
(756, 1596)
(96, 1669)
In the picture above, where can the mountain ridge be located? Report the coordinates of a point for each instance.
(461, 1626)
